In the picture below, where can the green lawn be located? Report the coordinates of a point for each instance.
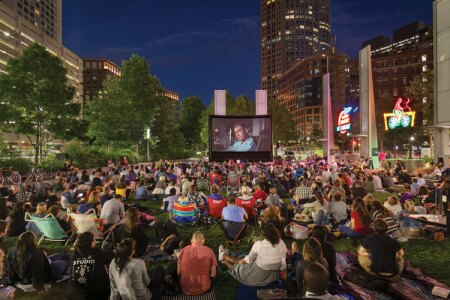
(432, 257)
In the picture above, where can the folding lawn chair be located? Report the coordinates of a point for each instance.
(89, 222)
(214, 210)
(50, 229)
(233, 183)
(234, 232)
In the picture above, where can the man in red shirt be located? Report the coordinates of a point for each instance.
(196, 265)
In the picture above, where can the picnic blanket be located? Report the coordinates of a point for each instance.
(208, 296)
(413, 284)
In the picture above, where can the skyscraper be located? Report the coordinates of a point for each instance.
(44, 14)
(290, 31)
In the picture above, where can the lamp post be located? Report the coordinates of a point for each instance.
(148, 144)
(411, 140)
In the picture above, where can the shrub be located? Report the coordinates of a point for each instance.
(21, 165)
(51, 163)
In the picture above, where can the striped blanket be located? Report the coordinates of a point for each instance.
(413, 284)
(208, 296)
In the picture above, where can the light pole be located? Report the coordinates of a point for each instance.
(148, 144)
(411, 140)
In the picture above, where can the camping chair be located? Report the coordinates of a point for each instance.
(88, 222)
(185, 214)
(233, 183)
(215, 179)
(249, 206)
(50, 229)
(214, 210)
(234, 232)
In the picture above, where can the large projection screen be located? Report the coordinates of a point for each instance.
(240, 137)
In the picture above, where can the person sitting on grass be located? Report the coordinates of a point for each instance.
(129, 278)
(16, 220)
(133, 228)
(273, 198)
(319, 232)
(27, 264)
(360, 220)
(381, 212)
(316, 282)
(170, 200)
(197, 264)
(264, 262)
(113, 211)
(312, 253)
(141, 191)
(393, 204)
(88, 270)
(272, 215)
(381, 255)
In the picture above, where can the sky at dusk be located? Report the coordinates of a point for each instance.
(197, 46)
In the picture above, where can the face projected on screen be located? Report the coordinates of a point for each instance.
(240, 132)
(243, 142)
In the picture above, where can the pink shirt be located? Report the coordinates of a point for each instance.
(195, 263)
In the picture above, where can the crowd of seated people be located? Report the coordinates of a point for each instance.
(336, 195)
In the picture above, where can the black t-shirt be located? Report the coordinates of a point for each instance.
(88, 273)
(383, 250)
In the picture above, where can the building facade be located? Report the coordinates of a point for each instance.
(44, 14)
(301, 89)
(290, 31)
(95, 72)
(174, 103)
(396, 63)
(16, 33)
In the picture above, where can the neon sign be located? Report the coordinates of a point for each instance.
(401, 116)
(344, 119)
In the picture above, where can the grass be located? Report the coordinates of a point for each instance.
(432, 257)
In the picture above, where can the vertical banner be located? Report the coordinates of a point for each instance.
(261, 102)
(369, 144)
(220, 102)
(328, 133)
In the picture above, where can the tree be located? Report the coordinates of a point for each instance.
(283, 127)
(127, 105)
(38, 99)
(421, 91)
(190, 123)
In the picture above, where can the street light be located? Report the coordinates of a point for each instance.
(411, 139)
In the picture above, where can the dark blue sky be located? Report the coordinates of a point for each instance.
(196, 46)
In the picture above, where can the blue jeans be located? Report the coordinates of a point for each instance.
(319, 217)
(347, 230)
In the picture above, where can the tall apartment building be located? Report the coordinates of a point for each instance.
(290, 31)
(300, 88)
(174, 103)
(395, 63)
(16, 33)
(44, 14)
(95, 71)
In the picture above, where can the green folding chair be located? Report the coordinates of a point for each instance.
(50, 228)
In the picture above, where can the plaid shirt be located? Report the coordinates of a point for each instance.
(303, 192)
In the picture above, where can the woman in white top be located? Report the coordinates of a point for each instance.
(128, 276)
(317, 203)
(393, 205)
(264, 262)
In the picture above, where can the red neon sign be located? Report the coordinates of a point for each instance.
(344, 120)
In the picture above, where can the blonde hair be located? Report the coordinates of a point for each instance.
(393, 200)
(312, 250)
(41, 208)
(368, 199)
(409, 206)
(273, 191)
(245, 190)
(93, 197)
(271, 213)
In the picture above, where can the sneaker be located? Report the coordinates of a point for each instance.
(402, 239)
(221, 252)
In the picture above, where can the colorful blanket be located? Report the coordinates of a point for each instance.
(413, 284)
